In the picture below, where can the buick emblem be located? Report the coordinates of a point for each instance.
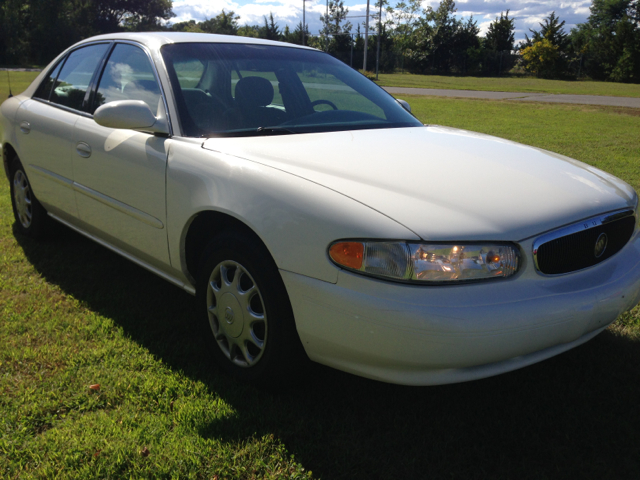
(601, 245)
(228, 313)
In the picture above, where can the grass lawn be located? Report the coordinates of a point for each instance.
(526, 85)
(19, 82)
(73, 314)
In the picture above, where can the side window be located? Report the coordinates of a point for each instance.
(44, 90)
(128, 75)
(74, 79)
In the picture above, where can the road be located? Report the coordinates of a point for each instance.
(520, 97)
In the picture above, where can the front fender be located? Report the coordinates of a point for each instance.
(295, 218)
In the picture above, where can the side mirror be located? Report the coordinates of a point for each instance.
(131, 114)
(405, 104)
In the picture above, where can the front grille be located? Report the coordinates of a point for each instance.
(578, 250)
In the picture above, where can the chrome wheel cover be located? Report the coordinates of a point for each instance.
(22, 198)
(236, 313)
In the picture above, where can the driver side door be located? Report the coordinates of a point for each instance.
(120, 174)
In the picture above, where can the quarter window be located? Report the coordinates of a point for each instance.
(128, 75)
(75, 77)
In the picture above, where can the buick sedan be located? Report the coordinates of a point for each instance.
(313, 216)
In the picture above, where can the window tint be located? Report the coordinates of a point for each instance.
(75, 76)
(128, 75)
(44, 90)
(252, 89)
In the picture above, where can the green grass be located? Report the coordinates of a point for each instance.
(19, 82)
(73, 314)
(510, 84)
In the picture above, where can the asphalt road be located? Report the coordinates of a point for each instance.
(520, 97)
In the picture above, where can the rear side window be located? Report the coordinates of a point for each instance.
(44, 90)
(75, 76)
(128, 75)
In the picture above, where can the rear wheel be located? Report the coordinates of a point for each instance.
(248, 311)
(31, 217)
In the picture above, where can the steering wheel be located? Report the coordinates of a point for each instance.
(324, 102)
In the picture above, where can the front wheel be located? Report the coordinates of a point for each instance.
(248, 311)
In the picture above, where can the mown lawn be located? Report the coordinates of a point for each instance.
(73, 315)
(19, 82)
(510, 84)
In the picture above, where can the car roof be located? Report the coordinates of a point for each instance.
(155, 40)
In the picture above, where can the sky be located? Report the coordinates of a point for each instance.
(528, 14)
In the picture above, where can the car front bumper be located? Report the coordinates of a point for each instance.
(428, 335)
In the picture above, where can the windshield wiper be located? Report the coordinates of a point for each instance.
(251, 132)
(274, 131)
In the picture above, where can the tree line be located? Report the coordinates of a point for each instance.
(429, 40)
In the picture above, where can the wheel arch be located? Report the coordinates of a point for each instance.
(8, 154)
(201, 228)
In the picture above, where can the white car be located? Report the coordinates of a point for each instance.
(312, 215)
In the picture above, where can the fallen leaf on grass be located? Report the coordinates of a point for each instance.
(95, 386)
(145, 452)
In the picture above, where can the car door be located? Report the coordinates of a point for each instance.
(119, 174)
(46, 125)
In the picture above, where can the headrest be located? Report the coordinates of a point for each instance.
(253, 92)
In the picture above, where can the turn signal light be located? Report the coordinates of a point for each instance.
(348, 254)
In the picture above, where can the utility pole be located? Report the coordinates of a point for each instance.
(303, 20)
(366, 38)
(326, 25)
(379, 35)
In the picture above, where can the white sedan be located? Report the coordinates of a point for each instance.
(313, 216)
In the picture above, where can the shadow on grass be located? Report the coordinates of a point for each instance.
(575, 415)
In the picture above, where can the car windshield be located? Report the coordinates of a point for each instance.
(229, 89)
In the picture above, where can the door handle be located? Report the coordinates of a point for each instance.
(25, 127)
(83, 149)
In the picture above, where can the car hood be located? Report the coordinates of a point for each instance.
(443, 183)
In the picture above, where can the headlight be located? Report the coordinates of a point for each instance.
(426, 262)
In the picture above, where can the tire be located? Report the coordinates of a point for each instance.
(31, 217)
(248, 309)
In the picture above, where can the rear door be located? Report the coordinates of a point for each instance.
(120, 174)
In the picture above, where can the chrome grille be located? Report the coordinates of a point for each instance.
(583, 244)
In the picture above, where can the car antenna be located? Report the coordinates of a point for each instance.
(9, 80)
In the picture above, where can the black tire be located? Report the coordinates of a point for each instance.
(267, 352)
(31, 217)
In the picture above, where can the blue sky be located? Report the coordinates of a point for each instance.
(289, 12)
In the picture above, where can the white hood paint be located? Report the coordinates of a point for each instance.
(443, 183)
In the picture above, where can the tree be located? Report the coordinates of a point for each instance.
(270, 31)
(403, 19)
(541, 57)
(554, 64)
(608, 45)
(37, 30)
(334, 27)
(296, 35)
(252, 31)
(497, 46)
(225, 23)
(190, 26)
(335, 31)
(553, 30)
(501, 33)
(442, 43)
(113, 15)
(14, 44)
